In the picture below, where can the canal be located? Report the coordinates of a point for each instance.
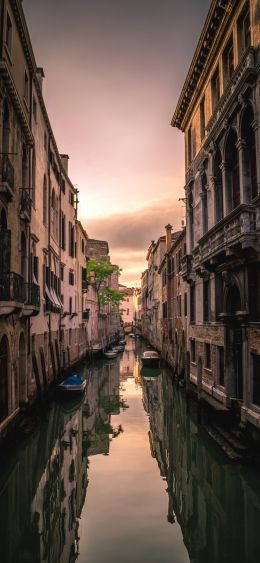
(127, 475)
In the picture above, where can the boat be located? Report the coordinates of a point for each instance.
(150, 373)
(150, 358)
(131, 335)
(122, 342)
(119, 348)
(72, 385)
(110, 354)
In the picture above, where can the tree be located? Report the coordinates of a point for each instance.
(101, 270)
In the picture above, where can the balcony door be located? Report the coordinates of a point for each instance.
(5, 244)
(4, 368)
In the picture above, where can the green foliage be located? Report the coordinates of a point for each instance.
(102, 269)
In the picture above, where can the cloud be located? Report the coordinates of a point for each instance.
(130, 233)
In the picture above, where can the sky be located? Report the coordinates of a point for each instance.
(114, 70)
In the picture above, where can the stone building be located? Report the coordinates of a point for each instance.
(174, 300)
(219, 111)
(152, 313)
(127, 306)
(82, 287)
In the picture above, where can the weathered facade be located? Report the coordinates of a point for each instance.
(219, 112)
(44, 312)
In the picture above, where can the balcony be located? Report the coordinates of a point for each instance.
(186, 268)
(7, 183)
(25, 205)
(31, 296)
(233, 234)
(11, 293)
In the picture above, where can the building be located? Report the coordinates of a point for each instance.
(127, 307)
(219, 111)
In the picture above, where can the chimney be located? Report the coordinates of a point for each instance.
(40, 76)
(65, 162)
(168, 229)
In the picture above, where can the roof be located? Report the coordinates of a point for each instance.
(216, 15)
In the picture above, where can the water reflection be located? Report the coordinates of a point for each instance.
(56, 505)
(216, 503)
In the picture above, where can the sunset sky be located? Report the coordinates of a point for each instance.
(114, 70)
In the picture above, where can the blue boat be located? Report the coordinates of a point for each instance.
(72, 385)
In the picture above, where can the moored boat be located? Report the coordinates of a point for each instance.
(72, 385)
(110, 354)
(150, 358)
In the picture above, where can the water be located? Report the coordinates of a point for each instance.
(126, 476)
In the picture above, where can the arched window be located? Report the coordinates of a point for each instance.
(53, 212)
(191, 216)
(232, 171)
(218, 186)
(57, 218)
(24, 168)
(4, 369)
(6, 128)
(249, 153)
(233, 300)
(33, 177)
(204, 202)
(44, 201)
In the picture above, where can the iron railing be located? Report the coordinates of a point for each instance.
(11, 287)
(32, 294)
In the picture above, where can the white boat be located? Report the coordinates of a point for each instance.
(110, 354)
(150, 358)
(122, 342)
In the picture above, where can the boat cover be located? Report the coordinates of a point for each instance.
(73, 379)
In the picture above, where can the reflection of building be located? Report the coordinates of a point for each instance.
(216, 505)
(219, 111)
(127, 306)
(42, 497)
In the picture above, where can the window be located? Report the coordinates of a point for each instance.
(206, 301)
(33, 177)
(71, 198)
(44, 203)
(219, 292)
(218, 185)
(191, 216)
(204, 203)
(202, 119)
(220, 365)
(193, 350)
(164, 310)
(244, 33)
(71, 240)
(62, 272)
(71, 278)
(63, 230)
(164, 277)
(127, 312)
(82, 246)
(215, 88)
(35, 267)
(26, 87)
(207, 356)
(185, 305)
(192, 303)
(9, 33)
(34, 109)
(179, 305)
(256, 379)
(254, 291)
(228, 62)
(189, 145)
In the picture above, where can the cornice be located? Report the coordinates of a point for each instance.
(219, 13)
